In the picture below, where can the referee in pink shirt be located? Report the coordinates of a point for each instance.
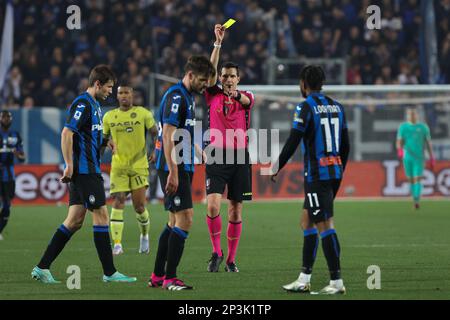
(229, 119)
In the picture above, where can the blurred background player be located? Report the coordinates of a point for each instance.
(10, 147)
(177, 115)
(128, 125)
(81, 141)
(229, 110)
(320, 122)
(412, 137)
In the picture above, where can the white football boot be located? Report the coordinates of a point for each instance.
(301, 285)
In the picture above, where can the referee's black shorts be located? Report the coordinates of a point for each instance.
(237, 176)
(87, 190)
(182, 199)
(319, 198)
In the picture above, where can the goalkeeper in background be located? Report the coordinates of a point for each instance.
(412, 137)
(128, 125)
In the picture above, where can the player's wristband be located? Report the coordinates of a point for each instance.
(217, 45)
(400, 153)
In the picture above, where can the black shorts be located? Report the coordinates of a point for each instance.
(7, 190)
(237, 178)
(182, 199)
(87, 190)
(319, 198)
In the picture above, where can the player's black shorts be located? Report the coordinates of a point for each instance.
(237, 178)
(319, 197)
(182, 199)
(87, 190)
(7, 190)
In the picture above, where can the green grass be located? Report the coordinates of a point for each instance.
(411, 248)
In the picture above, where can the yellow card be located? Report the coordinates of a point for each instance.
(229, 23)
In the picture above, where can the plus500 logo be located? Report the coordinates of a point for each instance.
(98, 127)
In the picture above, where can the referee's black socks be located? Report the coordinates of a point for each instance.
(175, 251)
(54, 248)
(161, 255)
(332, 251)
(103, 244)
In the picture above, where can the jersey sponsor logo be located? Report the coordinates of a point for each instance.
(326, 109)
(189, 122)
(125, 123)
(12, 140)
(97, 127)
(298, 119)
(129, 129)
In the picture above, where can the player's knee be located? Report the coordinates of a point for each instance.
(213, 209)
(139, 207)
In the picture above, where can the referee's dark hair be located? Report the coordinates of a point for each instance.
(200, 65)
(313, 77)
(102, 73)
(230, 65)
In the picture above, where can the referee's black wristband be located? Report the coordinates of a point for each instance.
(238, 97)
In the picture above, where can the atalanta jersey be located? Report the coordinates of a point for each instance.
(177, 108)
(321, 120)
(10, 141)
(85, 120)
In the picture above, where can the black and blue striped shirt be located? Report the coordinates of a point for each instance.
(85, 120)
(10, 141)
(321, 120)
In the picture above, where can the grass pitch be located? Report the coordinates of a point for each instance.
(410, 247)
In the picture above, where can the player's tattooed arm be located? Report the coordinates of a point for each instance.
(154, 133)
(289, 148)
(345, 147)
(169, 153)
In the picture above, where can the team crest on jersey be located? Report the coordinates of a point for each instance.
(133, 115)
(177, 201)
(208, 183)
(92, 199)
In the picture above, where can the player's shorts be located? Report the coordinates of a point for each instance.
(126, 180)
(7, 190)
(413, 167)
(87, 190)
(319, 197)
(237, 178)
(182, 199)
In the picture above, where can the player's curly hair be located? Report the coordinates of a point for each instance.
(102, 73)
(313, 76)
(200, 65)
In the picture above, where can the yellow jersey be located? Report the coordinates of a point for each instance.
(128, 130)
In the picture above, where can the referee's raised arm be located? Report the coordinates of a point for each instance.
(219, 31)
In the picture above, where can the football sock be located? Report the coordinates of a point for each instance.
(143, 222)
(416, 191)
(233, 234)
(4, 215)
(161, 255)
(103, 245)
(116, 225)
(177, 239)
(215, 229)
(310, 245)
(56, 245)
(332, 251)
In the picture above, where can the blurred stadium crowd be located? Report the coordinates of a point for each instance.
(139, 37)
